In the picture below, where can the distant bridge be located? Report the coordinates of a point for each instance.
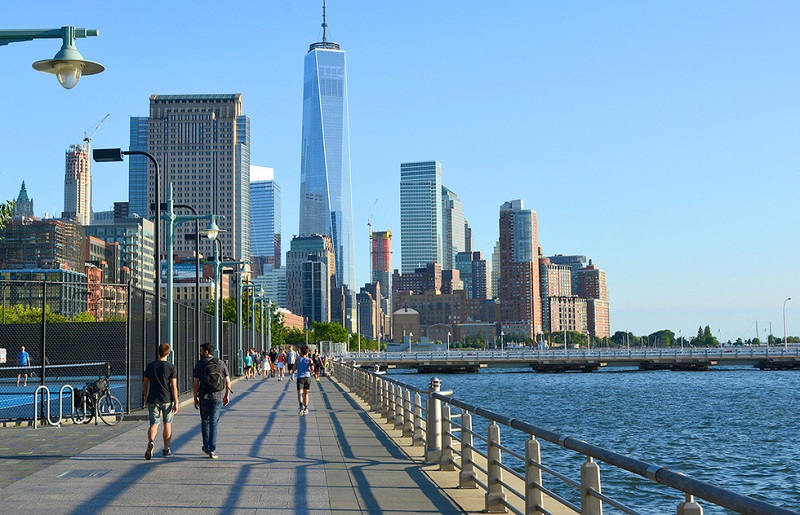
(583, 360)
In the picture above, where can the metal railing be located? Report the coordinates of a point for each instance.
(444, 425)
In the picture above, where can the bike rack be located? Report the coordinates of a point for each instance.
(46, 390)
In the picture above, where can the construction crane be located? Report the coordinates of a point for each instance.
(88, 137)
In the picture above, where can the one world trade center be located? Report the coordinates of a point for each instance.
(325, 186)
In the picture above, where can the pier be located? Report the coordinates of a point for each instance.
(583, 360)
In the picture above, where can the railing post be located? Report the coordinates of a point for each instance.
(418, 438)
(353, 384)
(398, 407)
(466, 479)
(690, 507)
(390, 406)
(496, 494)
(446, 462)
(408, 415)
(590, 479)
(534, 498)
(433, 424)
(385, 398)
(375, 389)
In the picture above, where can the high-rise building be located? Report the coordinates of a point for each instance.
(574, 263)
(519, 270)
(24, 205)
(78, 185)
(310, 277)
(556, 281)
(592, 287)
(325, 185)
(420, 215)
(495, 280)
(202, 145)
(273, 282)
(42, 244)
(136, 239)
(265, 220)
(453, 228)
(474, 274)
(382, 267)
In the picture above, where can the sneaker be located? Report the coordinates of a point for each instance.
(205, 451)
(213, 455)
(166, 453)
(305, 411)
(149, 452)
(302, 411)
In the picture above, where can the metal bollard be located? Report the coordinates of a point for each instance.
(390, 405)
(418, 438)
(408, 415)
(534, 498)
(590, 478)
(446, 462)
(690, 507)
(466, 478)
(496, 494)
(374, 405)
(433, 424)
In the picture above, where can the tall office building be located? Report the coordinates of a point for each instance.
(574, 263)
(420, 215)
(474, 271)
(136, 239)
(381, 257)
(325, 186)
(519, 270)
(592, 287)
(454, 227)
(265, 220)
(24, 206)
(202, 145)
(78, 186)
(310, 277)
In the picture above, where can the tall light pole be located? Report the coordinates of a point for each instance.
(68, 65)
(448, 342)
(410, 337)
(106, 155)
(240, 324)
(218, 266)
(502, 342)
(785, 342)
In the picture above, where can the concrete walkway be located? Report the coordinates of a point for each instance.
(334, 460)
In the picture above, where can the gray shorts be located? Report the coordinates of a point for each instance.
(157, 411)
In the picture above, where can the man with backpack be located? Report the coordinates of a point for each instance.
(212, 388)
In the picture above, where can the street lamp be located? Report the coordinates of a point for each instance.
(68, 65)
(448, 342)
(502, 343)
(218, 265)
(785, 342)
(212, 231)
(410, 337)
(107, 155)
(240, 325)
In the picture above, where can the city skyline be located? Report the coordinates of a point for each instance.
(655, 139)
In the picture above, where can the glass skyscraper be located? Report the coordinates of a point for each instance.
(420, 215)
(325, 184)
(265, 219)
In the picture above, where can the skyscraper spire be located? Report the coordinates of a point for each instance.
(324, 24)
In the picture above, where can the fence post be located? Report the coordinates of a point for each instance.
(389, 406)
(398, 407)
(466, 478)
(375, 384)
(418, 438)
(495, 495)
(690, 507)
(446, 461)
(534, 499)
(590, 479)
(433, 424)
(408, 415)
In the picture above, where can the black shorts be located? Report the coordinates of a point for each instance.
(289, 367)
(303, 383)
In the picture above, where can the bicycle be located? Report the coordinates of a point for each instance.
(96, 400)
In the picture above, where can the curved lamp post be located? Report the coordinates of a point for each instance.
(106, 155)
(68, 65)
(218, 266)
(785, 342)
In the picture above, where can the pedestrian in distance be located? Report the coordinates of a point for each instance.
(273, 358)
(291, 362)
(23, 360)
(212, 389)
(160, 392)
(305, 368)
(266, 364)
(317, 361)
(280, 362)
(248, 365)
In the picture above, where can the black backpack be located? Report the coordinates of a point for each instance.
(212, 378)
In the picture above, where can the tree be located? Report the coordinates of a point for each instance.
(6, 212)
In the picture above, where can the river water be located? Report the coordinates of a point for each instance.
(733, 427)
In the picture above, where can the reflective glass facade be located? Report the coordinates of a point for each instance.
(420, 214)
(325, 184)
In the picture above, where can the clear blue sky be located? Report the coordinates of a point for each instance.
(659, 139)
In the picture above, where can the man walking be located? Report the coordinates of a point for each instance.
(291, 363)
(23, 360)
(212, 387)
(160, 391)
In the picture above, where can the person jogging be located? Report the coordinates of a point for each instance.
(304, 370)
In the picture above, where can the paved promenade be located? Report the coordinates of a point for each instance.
(334, 460)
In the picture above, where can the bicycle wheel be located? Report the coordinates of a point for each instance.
(110, 410)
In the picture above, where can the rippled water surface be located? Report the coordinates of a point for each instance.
(736, 428)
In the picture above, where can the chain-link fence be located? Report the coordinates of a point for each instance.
(57, 333)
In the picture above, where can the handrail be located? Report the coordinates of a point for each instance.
(437, 440)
